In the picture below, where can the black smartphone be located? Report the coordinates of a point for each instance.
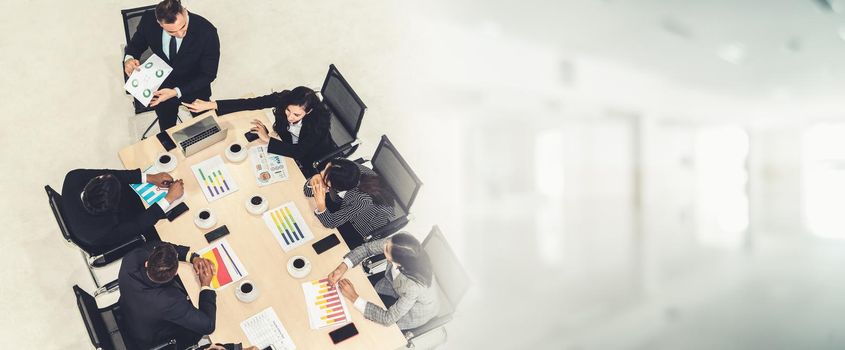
(326, 243)
(165, 141)
(176, 211)
(251, 136)
(216, 233)
(343, 333)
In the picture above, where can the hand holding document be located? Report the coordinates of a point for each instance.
(146, 80)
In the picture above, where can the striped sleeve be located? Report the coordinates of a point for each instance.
(306, 188)
(352, 206)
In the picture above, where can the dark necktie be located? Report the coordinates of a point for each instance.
(172, 48)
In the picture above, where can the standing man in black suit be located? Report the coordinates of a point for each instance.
(189, 43)
(103, 211)
(156, 308)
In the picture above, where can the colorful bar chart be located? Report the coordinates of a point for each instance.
(288, 226)
(228, 268)
(326, 307)
(149, 193)
(214, 178)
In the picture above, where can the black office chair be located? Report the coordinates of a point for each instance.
(92, 260)
(452, 282)
(388, 163)
(347, 112)
(131, 18)
(104, 325)
(402, 181)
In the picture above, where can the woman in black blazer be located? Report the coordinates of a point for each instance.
(301, 130)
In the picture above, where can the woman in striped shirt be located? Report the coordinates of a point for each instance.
(345, 191)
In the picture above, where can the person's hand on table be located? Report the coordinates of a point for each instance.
(175, 191)
(161, 96)
(161, 180)
(200, 106)
(131, 65)
(259, 129)
(206, 272)
(335, 275)
(348, 290)
(197, 262)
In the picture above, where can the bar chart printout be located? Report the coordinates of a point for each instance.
(214, 178)
(227, 267)
(326, 307)
(287, 225)
(148, 192)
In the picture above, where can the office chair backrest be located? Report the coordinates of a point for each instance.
(131, 18)
(394, 170)
(93, 319)
(55, 200)
(346, 107)
(451, 278)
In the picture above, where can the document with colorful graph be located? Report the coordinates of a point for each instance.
(288, 226)
(326, 307)
(228, 268)
(214, 178)
(148, 192)
(146, 80)
(268, 168)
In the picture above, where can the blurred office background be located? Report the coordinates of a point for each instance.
(642, 174)
(614, 174)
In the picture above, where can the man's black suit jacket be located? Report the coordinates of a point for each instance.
(157, 312)
(98, 233)
(195, 63)
(314, 138)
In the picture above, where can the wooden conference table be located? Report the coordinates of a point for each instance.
(255, 245)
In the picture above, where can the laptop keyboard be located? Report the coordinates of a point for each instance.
(199, 137)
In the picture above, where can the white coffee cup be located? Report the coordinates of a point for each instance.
(256, 204)
(166, 162)
(235, 152)
(205, 218)
(299, 266)
(246, 291)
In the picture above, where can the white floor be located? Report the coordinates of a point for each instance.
(63, 108)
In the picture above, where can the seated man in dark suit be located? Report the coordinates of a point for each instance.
(155, 306)
(103, 211)
(189, 44)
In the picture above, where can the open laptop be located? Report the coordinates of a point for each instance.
(199, 136)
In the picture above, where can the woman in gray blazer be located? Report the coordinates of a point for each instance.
(407, 279)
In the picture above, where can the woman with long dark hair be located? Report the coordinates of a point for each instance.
(345, 191)
(301, 129)
(406, 288)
